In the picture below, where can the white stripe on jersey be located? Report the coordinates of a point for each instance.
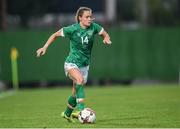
(62, 32)
(101, 31)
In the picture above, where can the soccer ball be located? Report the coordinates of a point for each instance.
(87, 115)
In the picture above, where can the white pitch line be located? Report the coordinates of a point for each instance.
(6, 94)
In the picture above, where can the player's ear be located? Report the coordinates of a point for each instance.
(79, 17)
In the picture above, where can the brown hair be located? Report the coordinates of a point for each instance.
(80, 12)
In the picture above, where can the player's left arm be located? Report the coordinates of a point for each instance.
(106, 37)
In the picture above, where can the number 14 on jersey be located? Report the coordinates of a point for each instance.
(84, 40)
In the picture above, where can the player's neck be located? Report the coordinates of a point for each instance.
(83, 26)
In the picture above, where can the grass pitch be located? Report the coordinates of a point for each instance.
(115, 106)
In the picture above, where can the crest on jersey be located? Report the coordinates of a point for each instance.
(90, 32)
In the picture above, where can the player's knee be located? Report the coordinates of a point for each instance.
(80, 80)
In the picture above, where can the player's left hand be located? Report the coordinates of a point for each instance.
(107, 41)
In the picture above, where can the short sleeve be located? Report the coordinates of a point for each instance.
(98, 29)
(67, 31)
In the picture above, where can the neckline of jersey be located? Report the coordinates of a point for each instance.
(83, 28)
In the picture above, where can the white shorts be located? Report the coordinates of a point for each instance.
(83, 70)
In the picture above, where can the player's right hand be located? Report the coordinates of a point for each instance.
(41, 51)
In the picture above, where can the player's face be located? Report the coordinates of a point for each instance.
(86, 18)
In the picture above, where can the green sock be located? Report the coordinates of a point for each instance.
(80, 106)
(72, 102)
(80, 91)
(80, 95)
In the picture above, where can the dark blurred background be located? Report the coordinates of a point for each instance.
(145, 36)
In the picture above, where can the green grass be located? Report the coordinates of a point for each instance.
(115, 106)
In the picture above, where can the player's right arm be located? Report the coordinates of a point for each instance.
(42, 51)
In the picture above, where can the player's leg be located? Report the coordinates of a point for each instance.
(70, 107)
(76, 75)
(76, 112)
(80, 102)
(84, 73)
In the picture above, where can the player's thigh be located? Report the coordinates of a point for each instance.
(75, 75)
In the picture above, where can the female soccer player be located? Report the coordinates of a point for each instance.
(76, 66)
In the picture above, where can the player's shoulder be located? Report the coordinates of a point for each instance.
(95, 24)
(75, 25)
(72, 27)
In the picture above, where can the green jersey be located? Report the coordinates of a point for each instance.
(81, 42)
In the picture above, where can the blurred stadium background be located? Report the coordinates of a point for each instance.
(145, 36)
